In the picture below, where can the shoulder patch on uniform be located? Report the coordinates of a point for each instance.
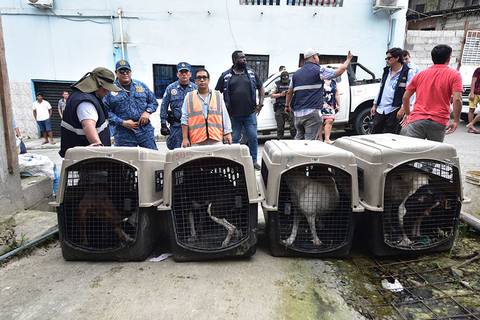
(139, 89)
(113, 93)
(173, 92)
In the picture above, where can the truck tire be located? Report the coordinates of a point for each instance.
(363, 122)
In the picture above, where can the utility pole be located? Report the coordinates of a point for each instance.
(6, 109)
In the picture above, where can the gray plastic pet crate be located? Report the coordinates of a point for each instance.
(106, 203)
(412, 190)
(311, 190)
(211, 199)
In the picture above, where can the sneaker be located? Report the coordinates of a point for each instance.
(256, 166)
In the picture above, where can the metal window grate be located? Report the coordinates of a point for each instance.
(317, 191)
(260, 2)
(431, 290)
(471, 49)
(421, 205)
(219, 183)
(100, 205)
(316, 3)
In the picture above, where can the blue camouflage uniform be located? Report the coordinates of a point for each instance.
(130, 104)
(174, 96)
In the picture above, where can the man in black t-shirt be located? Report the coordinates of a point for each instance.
(239, 85)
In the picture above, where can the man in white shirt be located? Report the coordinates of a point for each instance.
(42, 111)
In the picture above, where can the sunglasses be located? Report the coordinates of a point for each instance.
(201, 78)
(124, 71)
(388, 58)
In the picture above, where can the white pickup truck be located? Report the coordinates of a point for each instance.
(358, 87)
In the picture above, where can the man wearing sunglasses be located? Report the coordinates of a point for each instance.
(396, 76)
(130, 109)
(205, 119)
(171, 108)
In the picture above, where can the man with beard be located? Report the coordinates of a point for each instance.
(239, 85)
(130, 110)
(173, 98)
(279, 93)
(84, 120)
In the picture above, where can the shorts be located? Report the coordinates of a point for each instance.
(472, 104)
(45, 125)
(328, 112)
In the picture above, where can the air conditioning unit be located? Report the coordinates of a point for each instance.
(386, 5)
(41, 4)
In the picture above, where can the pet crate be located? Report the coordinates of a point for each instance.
(411, 189)
(311, 195)
(106, 204)
(211, 200)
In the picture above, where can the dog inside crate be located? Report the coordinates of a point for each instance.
(421, 204)
(314, 207)
(210, 203)
(101, 205)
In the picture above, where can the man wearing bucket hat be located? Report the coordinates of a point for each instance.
(130, 109)
(84, 120)
(171, 108)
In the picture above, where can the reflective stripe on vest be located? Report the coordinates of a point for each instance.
(80, 132)
(199, 128)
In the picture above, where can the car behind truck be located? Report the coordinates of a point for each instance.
(358, 87)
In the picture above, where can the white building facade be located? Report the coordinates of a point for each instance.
(60, 44)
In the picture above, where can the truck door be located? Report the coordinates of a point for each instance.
(343, 88)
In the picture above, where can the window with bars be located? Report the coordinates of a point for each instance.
(164, 74)
(304, 3)
(471, 49)
(260, 2)
(316, 3)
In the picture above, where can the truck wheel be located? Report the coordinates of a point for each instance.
(363, 122)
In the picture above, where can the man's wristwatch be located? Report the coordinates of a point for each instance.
(149, 110)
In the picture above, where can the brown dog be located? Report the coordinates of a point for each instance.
(99, 203)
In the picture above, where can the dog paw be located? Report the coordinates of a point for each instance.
(287, 242)
(317, 242)
(405, 242)
(192, 239)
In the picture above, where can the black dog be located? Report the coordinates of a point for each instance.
(418, 206)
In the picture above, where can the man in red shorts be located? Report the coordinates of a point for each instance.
(430, 118)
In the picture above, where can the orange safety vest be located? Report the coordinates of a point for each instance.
(199, 128)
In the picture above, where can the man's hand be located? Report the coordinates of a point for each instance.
(185, 143)
(471, 96)
(144, 118)
(349, 56)
(164, 130)
(258, 108)
(287, 109)
(451, 127)
(227, 139)
(130, 124)
(404, 122)
(372, 110)
(400, 114)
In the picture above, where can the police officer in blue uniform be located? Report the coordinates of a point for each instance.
(130, 109)
(171, 108)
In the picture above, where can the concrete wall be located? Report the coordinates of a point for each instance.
(85, 34)
(10, 187)
(420, 43)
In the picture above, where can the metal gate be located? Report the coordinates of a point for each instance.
(422, 205)
(100, 205)
(259, 64)
(314, 208)
(52, 92)
(210, 206)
